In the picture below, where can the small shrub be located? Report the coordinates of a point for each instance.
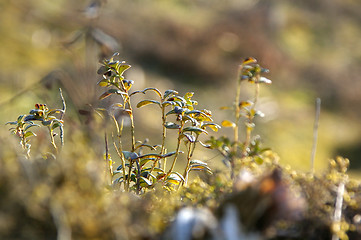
(68, 196)
(23, 126)
(138, 170)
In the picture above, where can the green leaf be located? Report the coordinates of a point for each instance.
(113, 64)
(133, 177)
(150, 155)
(174, 179)
(197, 165)
(122, 68)
(212, 126)
(161, 175)
(199, 168)
(206, 169)
(13, 130)
(179, 98)
(188, 95)
(127, 83)
(169, 92)
(32, 117)
(146, 102)
(144, 182)
(35, 111)
(170, 112)
(171, 125)
(52, 111)
(116, 105)
(179, 103)
(154, 178)
(179, 175)
(194, 112)
(167, 103)
(193, 120)
(197, 162)
(153, 89)
(158, 170)
(12, 123)
(120, 167)
(110, 92)
(205, 145)
(146, 160)
(46, 123)
(20, 118)
(102, 70)
(56, 124)
(148, 146)
(103, 83)
(128, 111)
(196, 130)
(190, 138)
(227, 123)
(176, 110)
(201, 116)
(29, 134)
(170, 154)
(130, 155)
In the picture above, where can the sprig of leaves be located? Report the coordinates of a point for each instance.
(23, 126)
(141, 170)
(249, 71)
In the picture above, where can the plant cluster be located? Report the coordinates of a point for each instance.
(263, 199)
(235, 151)
(140, 169)
(46, 117)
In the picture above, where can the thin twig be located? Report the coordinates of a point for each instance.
(237, 108)
(315, 133)
(338, 208)
(250, 121)
(61, 117)
(107, 159)
(63, 102)
(177, 150)
(121, 156)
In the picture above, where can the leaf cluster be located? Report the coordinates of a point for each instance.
(46, 117)
(235, 151)
(144, 165)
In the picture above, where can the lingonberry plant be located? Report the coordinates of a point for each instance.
(236, 150)
(141, 169)
(268, 205)
(46, 117)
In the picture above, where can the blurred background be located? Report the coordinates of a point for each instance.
(312, 49)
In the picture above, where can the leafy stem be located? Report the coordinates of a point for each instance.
(191, 148)
(178, 148)
(250, 71)
(52, 141)
(249, 121)
(237, 107)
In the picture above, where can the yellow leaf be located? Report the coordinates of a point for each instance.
(227, 123)
(243, 104)
(249, 60)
